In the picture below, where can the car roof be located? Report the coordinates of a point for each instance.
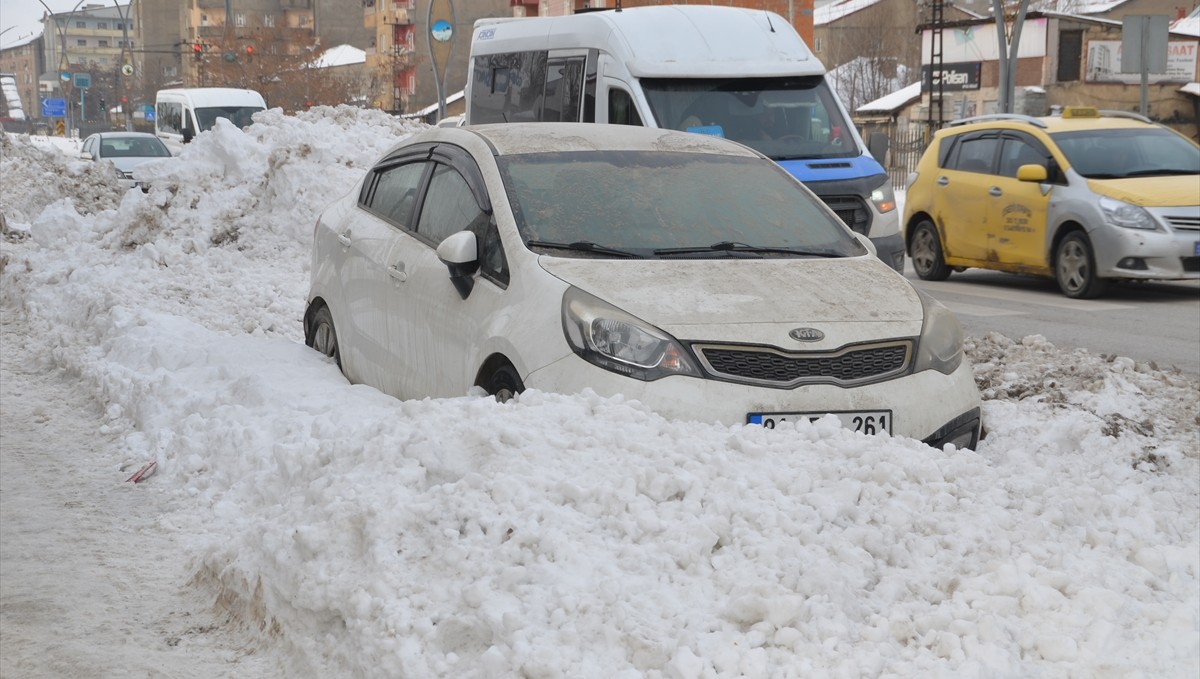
(521, 138)
(131, 135)
(1048, 124)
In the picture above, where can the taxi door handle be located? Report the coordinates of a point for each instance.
(397, 271)
(995, 191)
(942, 181)
(344, 238)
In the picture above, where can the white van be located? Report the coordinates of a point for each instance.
(731, 72)
(181, 114)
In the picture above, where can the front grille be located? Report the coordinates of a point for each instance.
(852, 210)
(1184, 223)
(767, 366)
(1190, 264)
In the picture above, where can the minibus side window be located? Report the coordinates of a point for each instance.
(621, 109)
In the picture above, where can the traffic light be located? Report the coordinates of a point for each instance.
(103, 106)
(249, 53)
(197, 50)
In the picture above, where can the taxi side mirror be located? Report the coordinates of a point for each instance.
(1032, 173)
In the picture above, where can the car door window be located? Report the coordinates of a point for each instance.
(449, 207)
(1018, 152)
(975, 154)
(395, 193)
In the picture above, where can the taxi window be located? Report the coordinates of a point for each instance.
(1018, 152)
(975, 154)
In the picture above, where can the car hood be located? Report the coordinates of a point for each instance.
(126, 164)
(1170, 191)
(754, 300)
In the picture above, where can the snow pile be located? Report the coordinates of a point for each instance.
(580, 536)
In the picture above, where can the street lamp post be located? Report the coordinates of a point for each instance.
(64, 63)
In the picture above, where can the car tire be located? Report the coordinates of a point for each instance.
(1075, 267)
(504, 384)
(322, 336)
(925, 251)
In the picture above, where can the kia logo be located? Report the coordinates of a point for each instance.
(806, 335)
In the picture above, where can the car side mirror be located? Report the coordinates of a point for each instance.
(86, 156)
(1032, 173)
(188, 132)
(460, 253)
(866, 243)
(877, 144)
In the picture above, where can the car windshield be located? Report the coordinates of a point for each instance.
(1121, 153)
(128, 147)
(614, 204)
(238, 115)
(783, 118)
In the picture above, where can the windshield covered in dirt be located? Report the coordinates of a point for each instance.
(667, 204)
(783, 118)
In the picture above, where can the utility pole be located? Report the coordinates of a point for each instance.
(1007, 47)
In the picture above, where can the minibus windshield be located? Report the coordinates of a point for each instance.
(783, 118)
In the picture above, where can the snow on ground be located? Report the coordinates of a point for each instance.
(301, 526)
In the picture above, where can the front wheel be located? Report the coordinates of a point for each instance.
(925, 250)
(504, 384)
(321, 335)
(1075, 267)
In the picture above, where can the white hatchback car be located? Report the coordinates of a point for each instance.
(685, 271)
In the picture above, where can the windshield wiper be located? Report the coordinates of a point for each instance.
(730, 246)
(582, 246)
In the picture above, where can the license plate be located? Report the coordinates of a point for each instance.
(865, 421)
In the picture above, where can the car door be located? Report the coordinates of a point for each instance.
(1017, 210)
(961, 199)
(438, 331)
(367, 273)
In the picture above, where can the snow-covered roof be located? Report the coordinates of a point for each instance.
(836, 10)
(433, 107)
(1189, 25)
(893, 101)
(340, 55)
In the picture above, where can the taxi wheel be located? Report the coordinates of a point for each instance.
(504, 384)
(322, 336)
(925, 250)
(1075, 268)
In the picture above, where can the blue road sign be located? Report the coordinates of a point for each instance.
(54, 108)
(83, 80)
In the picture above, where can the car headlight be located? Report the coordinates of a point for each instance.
(1120, 213)
(940, 347)
(884, 197)
(605, 336)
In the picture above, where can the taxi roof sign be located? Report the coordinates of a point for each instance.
(1081, 112)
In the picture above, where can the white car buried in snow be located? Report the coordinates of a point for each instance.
(685, 271)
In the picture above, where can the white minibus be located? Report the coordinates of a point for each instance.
(737, 73)
(180, 114)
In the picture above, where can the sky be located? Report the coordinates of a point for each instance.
(21, 19)
(295, 525)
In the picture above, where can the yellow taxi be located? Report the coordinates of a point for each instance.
(1086, 197)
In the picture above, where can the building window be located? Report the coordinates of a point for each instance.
(412, 84)
(203, 19)
(269, 20)
(303, 20)
(818, 44)
(102, 43)
(80, 24)
(81, 43)
(103, 26)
